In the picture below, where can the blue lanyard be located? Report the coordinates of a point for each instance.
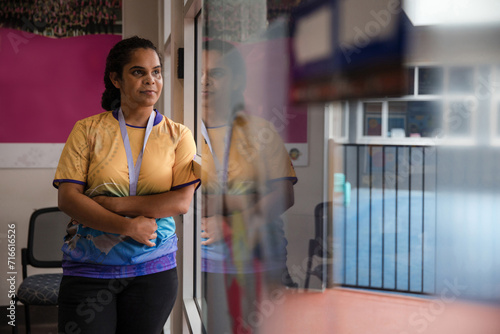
(221, 170)
(133, 170)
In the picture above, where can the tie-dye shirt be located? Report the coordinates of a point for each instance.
(257, 158)
(94, 156)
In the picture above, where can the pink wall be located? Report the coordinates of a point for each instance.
(267, 87)
(47, 84)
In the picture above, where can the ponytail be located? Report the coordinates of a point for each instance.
(110, 99)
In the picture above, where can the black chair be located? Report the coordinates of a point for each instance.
(47, 229)
(317, 246)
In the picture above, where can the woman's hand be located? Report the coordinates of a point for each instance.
(142, 230)
(212, 229)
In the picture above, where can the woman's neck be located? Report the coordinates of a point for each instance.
(215, 118)
(137, 116)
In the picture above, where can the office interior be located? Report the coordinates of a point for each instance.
(400, 151)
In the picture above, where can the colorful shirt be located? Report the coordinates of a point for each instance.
(94, 156)
(257, 158)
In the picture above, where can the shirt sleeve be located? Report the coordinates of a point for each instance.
(183, 169)
(280, 166)
(74, 161)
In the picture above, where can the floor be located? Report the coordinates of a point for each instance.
(348, 311)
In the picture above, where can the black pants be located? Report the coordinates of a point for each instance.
(125, 305)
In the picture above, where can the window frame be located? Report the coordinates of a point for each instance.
(445, 137)
(493, 93)
(191, 285)
(338, 118)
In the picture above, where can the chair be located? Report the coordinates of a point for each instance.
(45, 236)
(317, 246)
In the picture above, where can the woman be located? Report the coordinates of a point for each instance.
(247, 182)
(122, 175)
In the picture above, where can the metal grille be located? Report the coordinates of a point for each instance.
(385, 233)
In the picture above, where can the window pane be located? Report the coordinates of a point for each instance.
(343, 120)
(498, 118)
(372, 112)
(414, 118)
(483, 85)
(247, 121)
(339, 120)
(411, 81)
(424, 118)
(397, 119)
(197, 281)
(459, 119)
(430, 80)
(461, 80)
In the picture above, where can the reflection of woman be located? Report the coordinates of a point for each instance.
(122, 175)
(247, 184)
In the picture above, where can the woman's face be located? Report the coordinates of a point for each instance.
(216, 82)
(141, 82)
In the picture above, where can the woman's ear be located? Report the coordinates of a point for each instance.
(113, 76)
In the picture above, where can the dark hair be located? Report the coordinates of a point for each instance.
(118, 56)
(233, 59)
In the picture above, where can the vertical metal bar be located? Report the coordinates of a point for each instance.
(370, 223)
(196, 80)
(435, 221)
(345, 217)
(409, 217)
(195, 246)
(195, 204)
(357, 214)
(396, 222)
(423, 218)
(383, 214)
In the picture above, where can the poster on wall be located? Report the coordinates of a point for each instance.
(53, 78)
(63, 18)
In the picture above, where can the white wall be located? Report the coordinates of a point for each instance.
(22, 191)
(299, 219)
(141, 18)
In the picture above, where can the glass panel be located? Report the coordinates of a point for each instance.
(411, 81)
(396, 125)
(339, 120)
(461, 80)
(498, 117)
(424, 118)
(198, 21)
(459, 119)
(372, 119)
(483, 87)
(247, 172)
(414, 118)
(343, 119)
(430, 80)
(197, 281)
